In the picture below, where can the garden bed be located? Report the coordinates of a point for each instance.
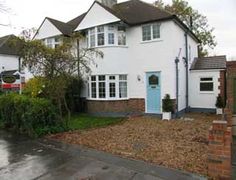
(180, 144)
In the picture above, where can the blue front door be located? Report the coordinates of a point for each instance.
(153, 92)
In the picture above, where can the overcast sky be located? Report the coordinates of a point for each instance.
(30, 13)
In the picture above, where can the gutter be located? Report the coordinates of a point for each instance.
(187, 67)
(177, 85)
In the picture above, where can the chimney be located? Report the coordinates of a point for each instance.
(108, 3)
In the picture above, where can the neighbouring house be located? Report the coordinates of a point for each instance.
(148, 53)
(12, 75)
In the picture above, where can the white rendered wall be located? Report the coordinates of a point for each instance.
(179, 49)
(140, 57)
(9, 62)
(201, 99)
(47, 30)
(97, 16)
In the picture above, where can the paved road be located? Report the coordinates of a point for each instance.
(22, 159)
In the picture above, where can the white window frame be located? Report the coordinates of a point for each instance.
(152, 34)
(210, 81)
(53, 43)
(108, 29)
(107, 87)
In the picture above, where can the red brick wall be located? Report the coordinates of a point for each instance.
(219, 157)
(231, 75)
(222, 83)
(120, 106)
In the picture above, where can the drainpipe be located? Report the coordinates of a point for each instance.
(177, 85)
(187, 68)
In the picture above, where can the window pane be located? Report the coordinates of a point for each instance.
(102, 89)
(121, 38)
(123, 89)
(121, 28)
(112, 77)
(156, 31)
(153, 80)
(112, 88)
(111, 38)
(92, 40)
(100, 29)
(101, 39)
(93, 78)
(123, 77)
(206, 86)
(94, 89)
(206, 79)
(102, 78)
(111, 28)
(146, 33)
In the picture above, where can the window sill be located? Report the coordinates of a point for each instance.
(151, 41)
(206, 92)
(110, 46)
(115, 99)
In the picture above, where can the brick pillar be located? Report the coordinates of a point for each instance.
(228, 116)
(219, 155)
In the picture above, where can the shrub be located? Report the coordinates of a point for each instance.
(33, 116)
(219, 102)
(168, 105)
(35, 87)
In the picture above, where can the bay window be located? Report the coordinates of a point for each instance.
(108, 87)
(111, 35)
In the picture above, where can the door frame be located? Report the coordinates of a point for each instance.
(146, 93)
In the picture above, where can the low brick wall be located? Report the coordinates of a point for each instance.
(220, 147)
(130, 106)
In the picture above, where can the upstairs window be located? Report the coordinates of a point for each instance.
(100, 36)
(121, 35)
(151, 32)
(92, 37)
(52, 42)
(206, 84)
(111, 35)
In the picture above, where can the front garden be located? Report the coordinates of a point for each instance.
(180, 144)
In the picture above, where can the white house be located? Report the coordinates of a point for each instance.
(148, 53)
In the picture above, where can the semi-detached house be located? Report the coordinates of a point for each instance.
(148, 53)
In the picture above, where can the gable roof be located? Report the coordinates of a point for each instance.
(74, 23)
(213, 62)
(64, 28)
(136, 12)
(132, 12)
(6, 47)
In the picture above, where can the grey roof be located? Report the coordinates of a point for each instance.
(213, 62)
(10, 72)
(74, 23)
(7, 46)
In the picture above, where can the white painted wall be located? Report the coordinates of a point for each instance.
(9, 62)
(141, 57)
(47, 30)
(97, 16)
(201, 99)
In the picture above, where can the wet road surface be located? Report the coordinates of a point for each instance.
(22, 158)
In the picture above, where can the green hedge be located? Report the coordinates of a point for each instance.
(33, 116)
